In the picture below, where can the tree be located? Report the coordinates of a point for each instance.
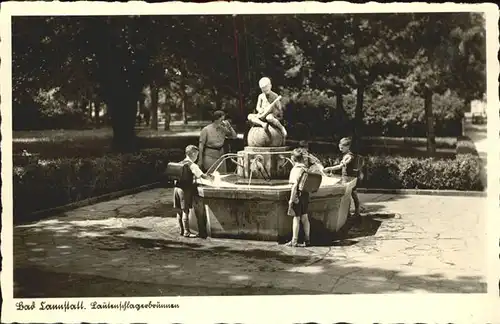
(108, 54)
(346, 52)
(468, 70)
(439, 46)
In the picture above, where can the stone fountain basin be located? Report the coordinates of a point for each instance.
(224, 209)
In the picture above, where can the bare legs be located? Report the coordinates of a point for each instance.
(183, 220)
(304, 219)
(254, 119)
(355, 198)
(269, 119)
(276, 123)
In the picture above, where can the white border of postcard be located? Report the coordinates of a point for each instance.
(472, 308)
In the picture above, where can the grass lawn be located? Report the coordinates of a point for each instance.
(96, 142)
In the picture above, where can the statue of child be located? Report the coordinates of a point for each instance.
(269, 110)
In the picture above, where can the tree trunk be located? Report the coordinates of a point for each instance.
(184, 104)
(467, 108)
(431, 137)
(184, 108)
(339, 102)
(145, 112)
(167, 117)
(122, 112)
(97, 105)
(154, 106)
(166, 112)
(358, 119)
(90, 105)
(217, 99)
(184, 97)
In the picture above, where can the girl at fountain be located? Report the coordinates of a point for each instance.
(185, 190)
(268, 108)
(349, 169)
(299, 200)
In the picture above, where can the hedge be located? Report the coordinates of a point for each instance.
(393, 116)
(44, 184)
(389, 172)
(466, 146)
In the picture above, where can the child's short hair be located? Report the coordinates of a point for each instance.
(190, 149)
(264, 82)
(298, 155)
(346, 141)
(304, 144)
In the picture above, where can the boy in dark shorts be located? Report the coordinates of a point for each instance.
(184, 191)
(299, 201)
(349, 169)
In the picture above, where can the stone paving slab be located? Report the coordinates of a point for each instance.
(404, 244)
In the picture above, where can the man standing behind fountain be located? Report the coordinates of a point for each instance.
(299, 200)
(269, 110)
(212, 139)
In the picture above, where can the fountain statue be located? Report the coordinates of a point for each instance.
(252, 202)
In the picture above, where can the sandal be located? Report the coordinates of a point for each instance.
(292, 244)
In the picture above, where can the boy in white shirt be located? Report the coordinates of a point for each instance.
(349, 169)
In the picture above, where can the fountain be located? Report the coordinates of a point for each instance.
(252, 202)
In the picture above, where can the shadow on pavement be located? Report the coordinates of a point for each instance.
(85, 261)
(222, 261)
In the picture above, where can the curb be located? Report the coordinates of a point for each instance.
(425, 192)
(91, 201)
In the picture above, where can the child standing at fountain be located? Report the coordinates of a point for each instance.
(185, 190)
(299, 200)
(265, 113)
(349, 169)
(310, 160)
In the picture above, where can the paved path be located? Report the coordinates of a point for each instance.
(130, 247)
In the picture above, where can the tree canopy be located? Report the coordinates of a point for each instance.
(113, 58)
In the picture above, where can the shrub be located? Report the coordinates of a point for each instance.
(404, 115)
(48, 109)
(466, 146)
(386, 172)
(50, 183)
(394, 116)
(313, 113)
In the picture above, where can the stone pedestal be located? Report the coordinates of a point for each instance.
(274, 160)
